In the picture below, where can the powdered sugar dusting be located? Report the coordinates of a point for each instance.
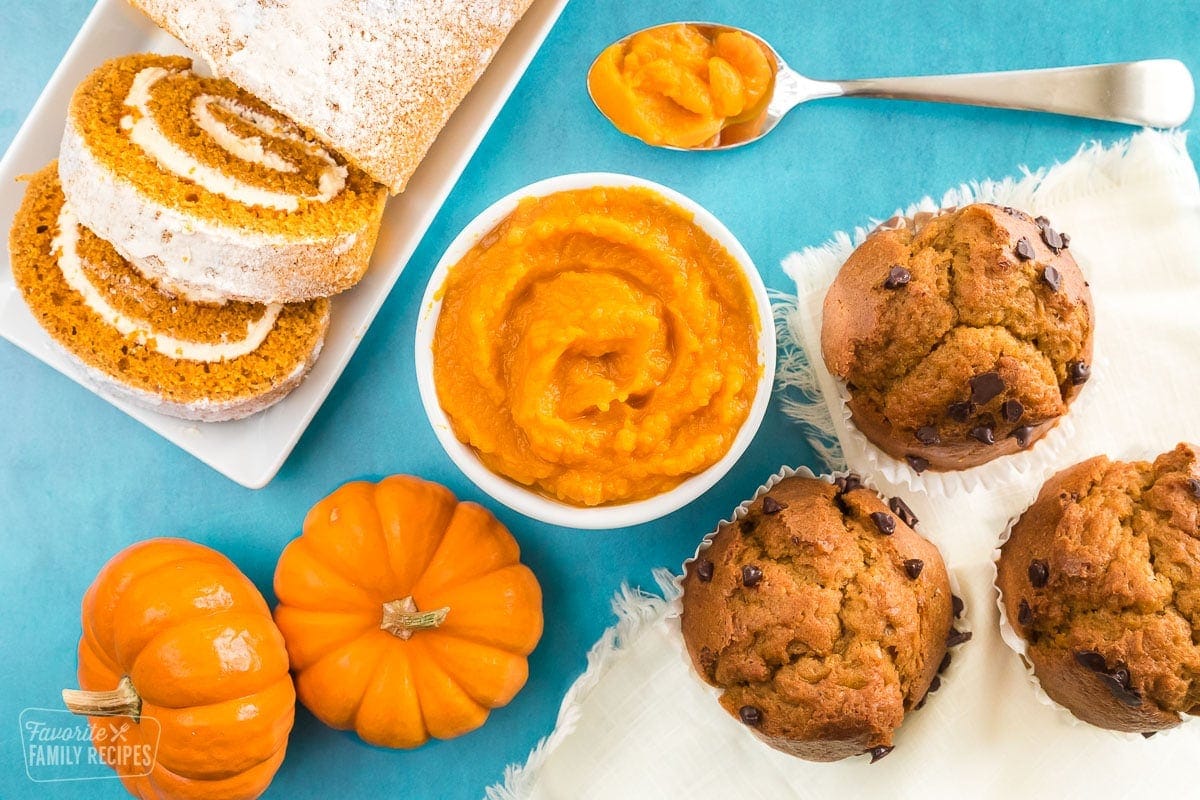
(376, 79)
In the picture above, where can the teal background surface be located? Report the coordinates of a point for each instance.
(79, 480)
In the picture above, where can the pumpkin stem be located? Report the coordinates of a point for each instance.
(122, 701)
(401, 618)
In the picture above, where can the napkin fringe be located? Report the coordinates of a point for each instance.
(636, 610)
(797, 385)
(1094, 168)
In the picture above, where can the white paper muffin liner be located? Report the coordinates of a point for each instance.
(959, 623)
(1017, 644)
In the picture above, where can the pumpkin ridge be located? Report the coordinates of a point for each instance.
(378, 653)
(490, 703)
(296, 619)
(240, 621)
(212, 571)
(96, 610)
(379, 666)
(224, 571)
(88, 639)
(522, 579)
(329, 551)
(213, 787)
(278, 727)
(403, 585)
(500, 542)
(422, 667)
(299, 556)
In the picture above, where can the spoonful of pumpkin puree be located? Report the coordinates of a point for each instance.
(683, 85)
(700, 86)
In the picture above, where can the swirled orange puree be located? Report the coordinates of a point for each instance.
(673, 85)
(597, 345)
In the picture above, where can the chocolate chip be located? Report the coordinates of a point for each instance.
(747, 525)
(961, 411)
(1117, 680)
(986, 386)
(945, 662)
(42, 228)
(1090, 659)
(1120, 689)
(913, 567)
(1012, 212)
(901, 510)
(1052, 277)
(704, 570)
(1078, 372)
(984, 434)
(1066, 240)
(920, 703)
(1025, 250)
(1039, 573)
(1148, 734)
(751, 575)
(771, 506)
(1024, 613)
(1023, 435)
(897, 278)
(934, 685)
(1012, 410)
(750, 715)
(1042, 222)
(1121, 676)
(957, 605)
(927, 434)
(917, 463)
(879, 752)
(957, 637)
(1052, 238)
(848, 483)
(1194, 485)
(885, 522)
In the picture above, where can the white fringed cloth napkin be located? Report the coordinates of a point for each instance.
(638, 724)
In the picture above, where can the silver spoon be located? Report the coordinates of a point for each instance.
(1157, 92)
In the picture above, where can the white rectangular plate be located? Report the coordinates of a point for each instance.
(252, 450)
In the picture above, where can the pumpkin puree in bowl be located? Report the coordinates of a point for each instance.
(597, 345)
(673, 85)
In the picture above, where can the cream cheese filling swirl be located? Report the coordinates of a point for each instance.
(66, 245)
(145, 132)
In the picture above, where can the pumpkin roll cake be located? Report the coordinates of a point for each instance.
(189, 359)
(378, 80)
(210, 193)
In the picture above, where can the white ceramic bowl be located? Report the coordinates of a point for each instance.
(528, 501)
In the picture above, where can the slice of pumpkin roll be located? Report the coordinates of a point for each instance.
(208, 191)
(194, 360)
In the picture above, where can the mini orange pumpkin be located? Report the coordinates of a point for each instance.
(174, 632)
(406, 613)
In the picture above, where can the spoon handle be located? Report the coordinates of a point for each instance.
(1158, 92)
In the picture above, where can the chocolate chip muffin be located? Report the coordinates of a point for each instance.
(822, 616)
(1101, 578)
(962, 336)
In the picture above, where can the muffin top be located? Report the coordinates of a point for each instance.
(962, 336)
(1101, 577)
(821, 615)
